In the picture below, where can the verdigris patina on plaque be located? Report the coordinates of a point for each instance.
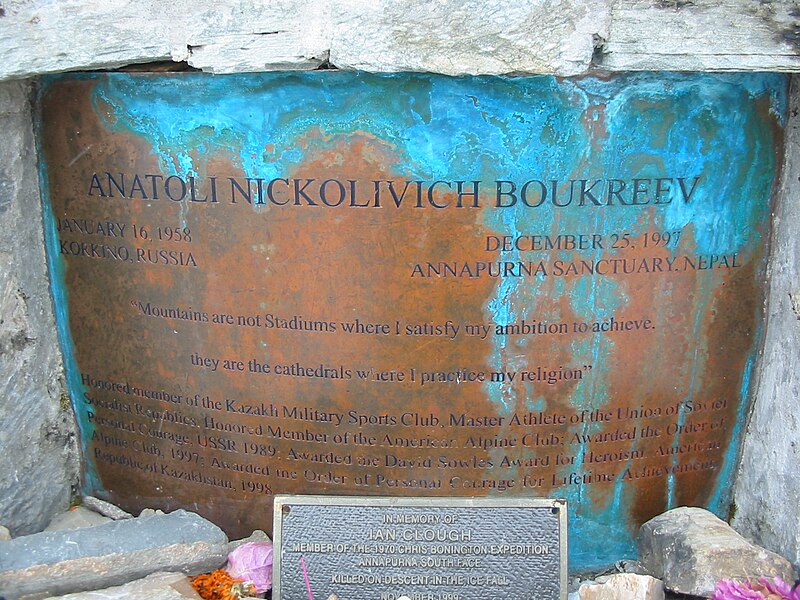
(420, 548)
(411, 285)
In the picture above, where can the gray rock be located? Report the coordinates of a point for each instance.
(76, 518)
(641, 27)
(691, 549)
(631, 566)
(37, 431)
(623, 586)
(256, 536)
(114, 553)
(105, 508)
(501, 44)
(499, 36)
(575, 583)
(768, 480)
(450, 36)
(5, 534)
(158, 586)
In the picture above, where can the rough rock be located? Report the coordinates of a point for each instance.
(450, 36)
(623, 586)
(686, 35)
(76, 518)
(5, 534)
(105, 508)
(504, 36)
(256, 536)
(768, 482)
(111, 554)
(691, 549)
(37, 430)
(158, 586)
(631, 566)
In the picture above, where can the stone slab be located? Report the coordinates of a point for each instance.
(450, 37)
(105, 508)
(110, 554)
(364, 548)
(691, 549)
(457, 37)
(768, 472)
(158, 586)
(37, 429)
(76, 518)
(728, 35)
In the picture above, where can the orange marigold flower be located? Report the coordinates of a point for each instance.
(219, 585)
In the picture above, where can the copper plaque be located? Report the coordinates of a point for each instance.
(422, 548)
(411, 285)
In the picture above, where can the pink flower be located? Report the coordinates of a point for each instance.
(763, 589)
(733, 590)
(252, 562)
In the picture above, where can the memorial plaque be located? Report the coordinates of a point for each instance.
(411, 285)
(421, 548)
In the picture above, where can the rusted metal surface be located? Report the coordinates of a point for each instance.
(584, 327)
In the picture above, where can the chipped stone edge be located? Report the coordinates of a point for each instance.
(308, 40)
(96, 572)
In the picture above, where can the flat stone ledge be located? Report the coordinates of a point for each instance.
(681, 35)
(110, 554)
(158, 586)
(453, 37)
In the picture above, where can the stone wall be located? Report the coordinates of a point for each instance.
(564, 37)
(768, 485)
(38, 469)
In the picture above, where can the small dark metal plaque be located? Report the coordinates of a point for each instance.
(422, 548)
